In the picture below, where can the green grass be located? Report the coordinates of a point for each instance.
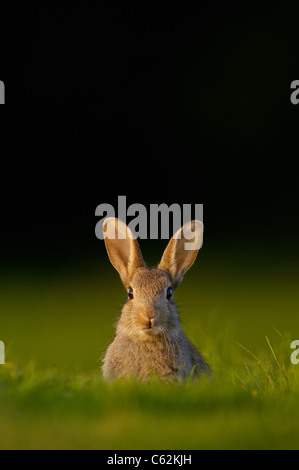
(252, 404)
(56, 327)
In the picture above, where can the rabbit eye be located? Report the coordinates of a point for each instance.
(169, 293)
(131, 293)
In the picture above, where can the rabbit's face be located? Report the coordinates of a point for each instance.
(150, 310)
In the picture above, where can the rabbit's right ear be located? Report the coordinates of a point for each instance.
(123, 249)
(182, 251)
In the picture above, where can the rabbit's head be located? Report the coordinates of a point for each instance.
(150, 310)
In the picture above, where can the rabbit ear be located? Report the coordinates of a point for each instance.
(123, 249)
(182, 251)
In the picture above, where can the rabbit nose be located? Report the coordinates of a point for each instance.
(150, 323)
(149, 315)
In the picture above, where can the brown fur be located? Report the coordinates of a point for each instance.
(149, 340)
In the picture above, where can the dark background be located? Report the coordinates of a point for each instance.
(161, 104)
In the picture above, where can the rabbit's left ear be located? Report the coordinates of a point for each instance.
(182, 251)
(123, 249)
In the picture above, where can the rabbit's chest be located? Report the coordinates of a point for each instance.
(145, 360)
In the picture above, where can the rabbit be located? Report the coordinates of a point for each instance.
(149, 341)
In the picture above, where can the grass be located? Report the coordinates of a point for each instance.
(56, 327)
(252, 404)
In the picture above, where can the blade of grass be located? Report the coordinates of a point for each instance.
(276, 360)
(259, 363)
(253, 376)
(283, 336)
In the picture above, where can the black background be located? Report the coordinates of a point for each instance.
(161, 104)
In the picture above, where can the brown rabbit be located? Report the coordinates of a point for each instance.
(149, 340)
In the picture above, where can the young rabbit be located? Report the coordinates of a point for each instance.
(149, 340)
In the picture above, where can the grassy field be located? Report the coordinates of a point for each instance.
(56, 326)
